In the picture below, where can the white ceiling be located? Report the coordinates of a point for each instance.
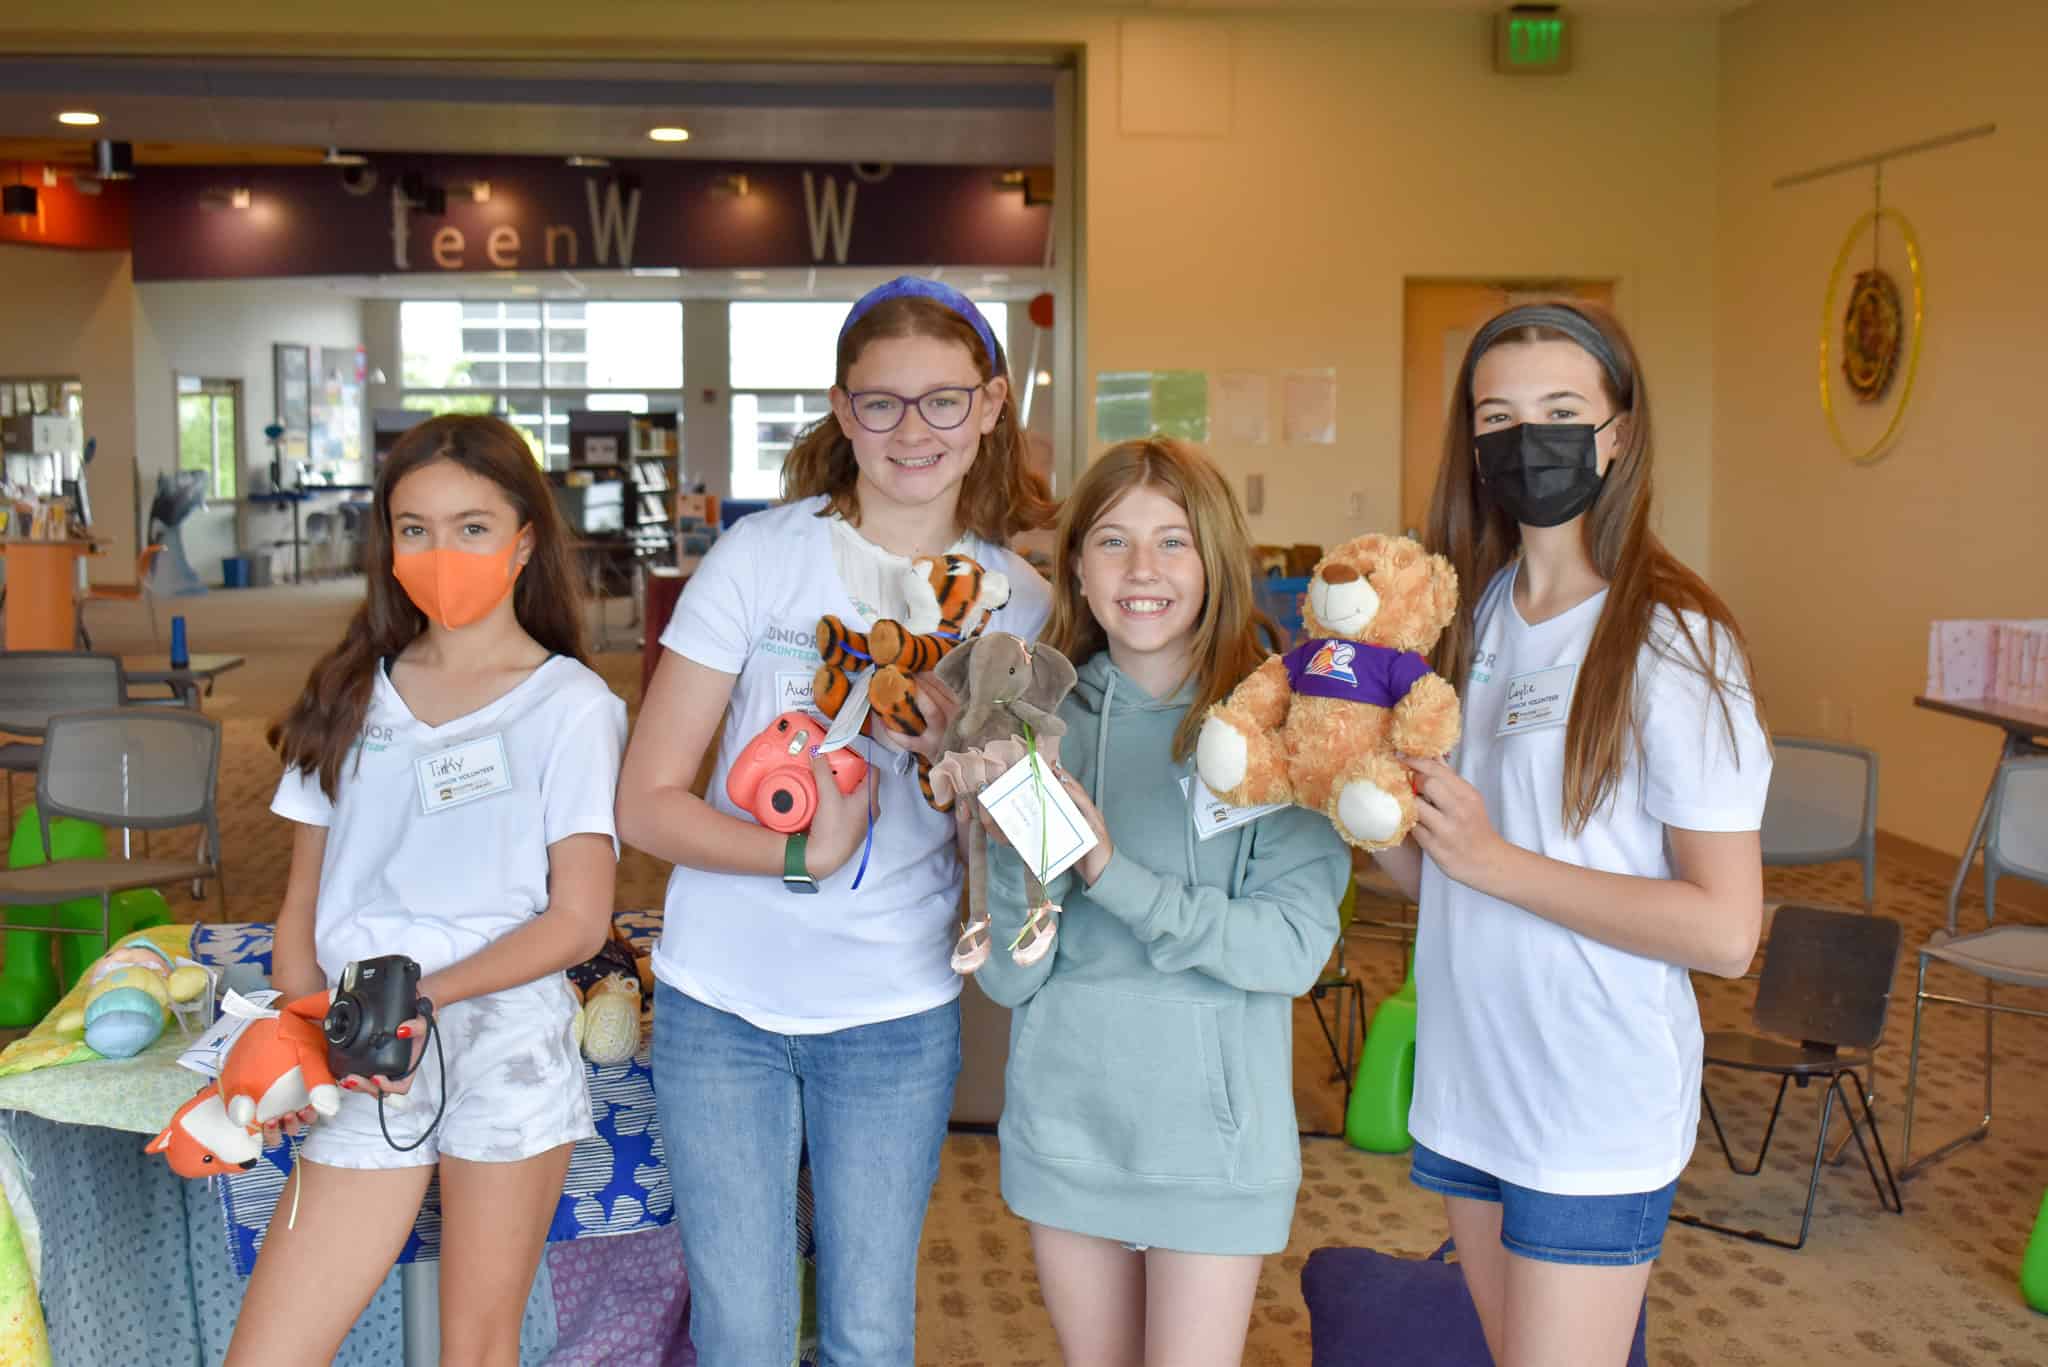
(978, 115)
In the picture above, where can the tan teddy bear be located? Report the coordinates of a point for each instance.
(1321, 726)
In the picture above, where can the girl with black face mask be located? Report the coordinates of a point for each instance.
(1592, 839)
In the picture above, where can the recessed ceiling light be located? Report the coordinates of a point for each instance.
(239, 197)
(1044, 378)
(79, 118)
(580, 160)
(669, 134)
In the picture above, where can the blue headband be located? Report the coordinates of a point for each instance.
(917, 287)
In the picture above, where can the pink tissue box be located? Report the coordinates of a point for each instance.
(2006, 661)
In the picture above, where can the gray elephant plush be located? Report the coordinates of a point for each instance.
(1004, 686)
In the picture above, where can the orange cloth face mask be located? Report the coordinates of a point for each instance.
(455, 587)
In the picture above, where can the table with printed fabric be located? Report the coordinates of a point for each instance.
(172, 1294)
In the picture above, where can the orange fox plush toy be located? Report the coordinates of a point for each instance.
(276, 1067)
(201, 1141)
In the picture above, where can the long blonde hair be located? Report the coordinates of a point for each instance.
(1603, 731)
(1000, 497)
(1228, 641)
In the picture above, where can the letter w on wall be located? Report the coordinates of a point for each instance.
(609, 227)
(833, 218)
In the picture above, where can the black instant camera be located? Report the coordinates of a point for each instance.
(376, 996)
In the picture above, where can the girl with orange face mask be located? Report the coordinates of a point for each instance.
(452, 764)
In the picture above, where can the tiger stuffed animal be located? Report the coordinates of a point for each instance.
(951, 599)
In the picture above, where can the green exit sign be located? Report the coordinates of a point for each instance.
(1532, 40)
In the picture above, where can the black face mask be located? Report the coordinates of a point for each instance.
(1541, 474)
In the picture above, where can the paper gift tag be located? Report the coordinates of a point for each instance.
(1038, 818)
(852, 713)
(210, 1050)
(1212, 815)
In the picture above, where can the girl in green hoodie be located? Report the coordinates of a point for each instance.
(1148, 1133)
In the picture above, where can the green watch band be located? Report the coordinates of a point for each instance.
(795, 876)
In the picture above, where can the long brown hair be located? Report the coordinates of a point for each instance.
(1603, 731)
(1232, 637)
(316, 734)
(1000, 496)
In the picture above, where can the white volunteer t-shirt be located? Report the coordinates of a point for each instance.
(1543, 1057)
(788, 962)
(438, 886)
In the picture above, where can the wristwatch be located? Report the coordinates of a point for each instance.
(795, 876)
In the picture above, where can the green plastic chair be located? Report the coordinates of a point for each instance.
(2034, 1267)
(1376, 1119)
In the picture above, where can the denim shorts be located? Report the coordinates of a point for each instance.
(1584, 1231)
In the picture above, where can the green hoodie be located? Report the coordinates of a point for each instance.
(1150, 1087)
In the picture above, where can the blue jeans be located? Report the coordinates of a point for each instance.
(738, 1107)
(1579, 1231)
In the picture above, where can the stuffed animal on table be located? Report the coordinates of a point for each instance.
(951, 599)
(607, 1025)
(1321, 727)
(131, 995)
(1007, 690)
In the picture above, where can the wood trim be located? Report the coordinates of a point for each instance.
(2018, 895)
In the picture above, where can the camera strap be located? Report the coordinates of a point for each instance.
(440, 1107)
(867, 846)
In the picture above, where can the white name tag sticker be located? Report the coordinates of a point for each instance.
(1040, 821)
(463, 773)
(1212, 815)
(1540, 698)
(792, 691)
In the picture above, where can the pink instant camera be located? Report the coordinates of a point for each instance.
(772, 777)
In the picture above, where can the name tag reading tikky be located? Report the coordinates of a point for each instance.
(1540, 698)
(463, 773)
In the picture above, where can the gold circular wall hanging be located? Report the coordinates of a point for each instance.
(1871, 333)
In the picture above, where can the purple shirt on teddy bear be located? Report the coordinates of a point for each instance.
(1352, 671)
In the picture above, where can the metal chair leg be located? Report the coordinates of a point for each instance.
(1769, 1129)
(1820, 1148)
(1912, 1167)
(1897, 1204)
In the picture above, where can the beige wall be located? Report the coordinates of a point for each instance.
(1359, 151)
(72, 313)
(1835, 570)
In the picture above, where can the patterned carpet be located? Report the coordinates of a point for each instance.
(1936, 1286)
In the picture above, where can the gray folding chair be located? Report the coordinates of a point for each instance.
(36, 685)
(125, 768)
(1821, 808)
(2016, 844)
(1827, 984)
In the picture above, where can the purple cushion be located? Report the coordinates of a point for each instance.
(1366, 1308)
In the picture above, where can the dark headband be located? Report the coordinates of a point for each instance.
(917, 287)
(1572, 324)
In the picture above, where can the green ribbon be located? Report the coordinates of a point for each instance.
(1044, 833)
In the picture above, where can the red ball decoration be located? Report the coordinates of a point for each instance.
(1041, 310)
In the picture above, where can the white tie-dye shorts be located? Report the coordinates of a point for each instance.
(515, 1084)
